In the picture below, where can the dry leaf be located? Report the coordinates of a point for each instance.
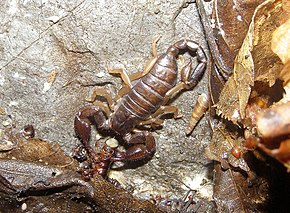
(220, 149)
(247, 93)
(273, 124)
(37, 150)
(254, 62)
(232, 192)
(232, 20)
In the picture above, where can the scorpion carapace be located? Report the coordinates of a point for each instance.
(141, 101)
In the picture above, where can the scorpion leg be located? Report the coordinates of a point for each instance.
(103, 93)
(123, 91)
(172, 92)
(103, 106)
(166, 110)
(150, 63)
(134, 76)
(154, 121)
(154, 46)
(143, 146)
(124, 75)
(87, 116)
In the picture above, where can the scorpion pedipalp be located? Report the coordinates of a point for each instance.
(142, 146)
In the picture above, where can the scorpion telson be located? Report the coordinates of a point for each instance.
(141, 101)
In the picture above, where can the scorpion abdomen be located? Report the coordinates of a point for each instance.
(149, 92)
(144, 98)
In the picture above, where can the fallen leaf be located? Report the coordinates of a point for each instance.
(254, 62)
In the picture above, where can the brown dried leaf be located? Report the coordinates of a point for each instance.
(281, 42)
(233, 194)
(254, 62)
(113, 199)
(273, 124)
(226, 30)
(51, 203)
(232, 20)
(225, 33)
(37, 150)
(216, 84)
(220, 149)
(256, 69)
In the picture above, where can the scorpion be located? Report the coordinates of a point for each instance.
(140, 102)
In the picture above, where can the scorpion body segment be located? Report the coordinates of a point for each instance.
(146, 99)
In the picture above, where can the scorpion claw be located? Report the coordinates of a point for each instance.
(143, 147)
(85, 117)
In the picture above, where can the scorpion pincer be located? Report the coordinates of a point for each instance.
(141, 102)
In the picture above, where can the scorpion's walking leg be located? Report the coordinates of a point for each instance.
(150, 63)
(154, 121)
(124, 75)
(129, 78)
(123, 91)
(143, 146)
(105, 94)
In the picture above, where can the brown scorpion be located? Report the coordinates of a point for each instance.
(139, 103)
